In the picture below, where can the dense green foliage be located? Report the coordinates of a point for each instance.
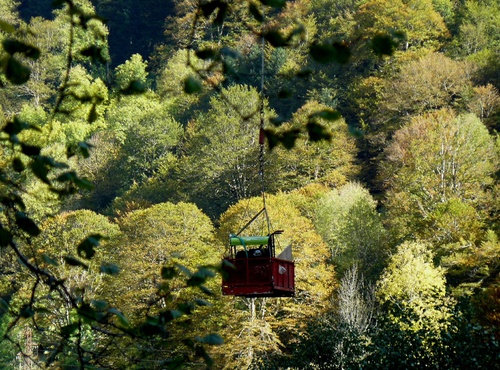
(129, 150)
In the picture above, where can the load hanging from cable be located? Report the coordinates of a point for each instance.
(252, 268)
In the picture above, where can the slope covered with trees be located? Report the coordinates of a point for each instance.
(129, 150)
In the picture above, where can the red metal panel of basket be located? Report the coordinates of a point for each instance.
(259, 277)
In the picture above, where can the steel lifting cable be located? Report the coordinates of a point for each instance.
(261, 135)
(262, 142)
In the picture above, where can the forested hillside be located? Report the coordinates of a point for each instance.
(129, 151)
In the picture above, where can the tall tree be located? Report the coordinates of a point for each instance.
(348, 221)
(478, 38)
(432, 82)
(437, 159)
(314, 283)
(222, 151)
(164, 235)
(329, 162)
(413, 290)
(417, 19)
(148, 133)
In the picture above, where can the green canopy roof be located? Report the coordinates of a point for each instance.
(249, 240)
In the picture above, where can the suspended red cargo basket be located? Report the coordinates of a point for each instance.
(253, 270)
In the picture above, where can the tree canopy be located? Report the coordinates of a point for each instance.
(136, 136)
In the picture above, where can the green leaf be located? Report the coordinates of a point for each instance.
(5, 237)
(68, 330)
(15, 126)
(299, 30)
(121, 317)
(184, 269)
(174, 363)
(192, 85)
(4, 307)
(49, 260)
(206, 53)
(171, 315)
(42, 165)
(212, 339)
(66, 176)
(205, 290)
(27, 224)
(84, 149)
(221, 14)
(186, 308)
(328, 114)
(86, 312)
(40, 170)
(87, 246)
(12, 201)
(99, 304)
(72, 261)
(210, 7)
(13, 46)
(202, 302)
(272, 138)
(14, 139)
(7, 27)
(135, 87)
(16, 72)
(317, 132)
(168, 273)
(152, 329)
(254, 10)
(201, 352)
(226, 264)
(109, 269)
(93, 114)
(200, 277)
(94, 52)
(288, 138)
(355, 131)
(327, 53)
(43, 311)
(275, 38)
(385, 44)
(26, 312)
(274, 3)
(18, 165)
(83, 184)
(30, 150)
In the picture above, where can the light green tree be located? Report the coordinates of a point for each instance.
(132, 75)
(479, 29)
(221, 164)
(8, 9)
(478, 38)
(349, 223)
(431, 82)
(171, 84)
(48, 70)
(148, 134)
(437, 159)
(163, 234)
(331, 162)
(413, 291)
(155, 240)
(417, 19)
